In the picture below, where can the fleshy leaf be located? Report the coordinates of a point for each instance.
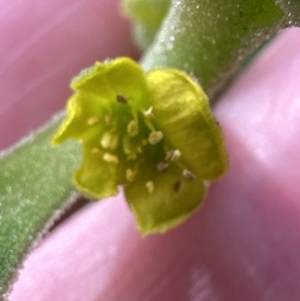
(153, 133)
(35, 189)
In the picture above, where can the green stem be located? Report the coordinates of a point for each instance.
(35, 188)
(211, 39)
(292, 12)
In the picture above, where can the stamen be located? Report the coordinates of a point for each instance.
(149, 112)
(145, 142)
(188, 174)
(122, 99)
(132, 128)
(109, 141)
(162, 166)
(150, 187)
(130, 175)
(107, 119)
(110, 158)
(178, 185)
(173, 155)
(155, 137)
(129, 148)
(95, 150)
(139, 150)
(131, 156)
(92, 120)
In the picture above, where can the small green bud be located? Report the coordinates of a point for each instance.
(147, 16)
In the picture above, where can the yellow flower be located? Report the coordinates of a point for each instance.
(154, 133)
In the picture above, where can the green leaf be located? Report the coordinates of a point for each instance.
(35, 188)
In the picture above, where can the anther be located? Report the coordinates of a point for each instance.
(173, 155)
(155, 137)
(130, 175)
(109, 141)
(95, 150)
(178, 186)
(92, 120)
(188, 174)
(149, 112)
(107, 119)
(122, 99)
(110, 158)
(150, 187)
(139, 150)
(162, 166)
(132, 128)
(145, 142)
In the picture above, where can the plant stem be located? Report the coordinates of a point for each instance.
(35, 189)
(211, 39)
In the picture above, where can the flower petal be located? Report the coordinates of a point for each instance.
(161, 201)
(84, 116)
(97, 177)
(183, 114)
(121, 76)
